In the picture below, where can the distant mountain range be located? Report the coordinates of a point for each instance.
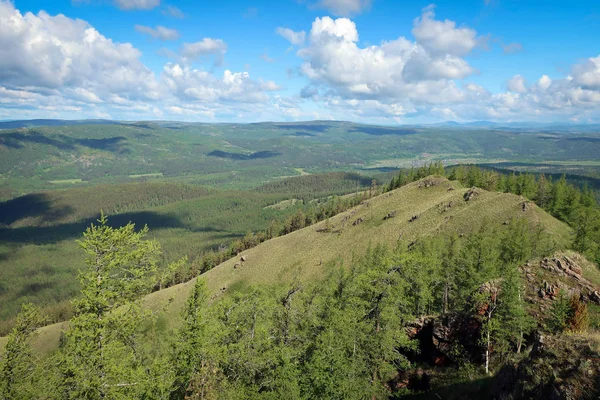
(556, 126)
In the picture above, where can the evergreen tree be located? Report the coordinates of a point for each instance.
(187, 354)
(101, 356)
(18, 361)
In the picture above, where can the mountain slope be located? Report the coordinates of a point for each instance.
(439, 206)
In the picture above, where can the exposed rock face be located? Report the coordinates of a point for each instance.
(564, 266)
(429, 182)
(439, 336)
(558, 368)
(471, 194)
(358, 221)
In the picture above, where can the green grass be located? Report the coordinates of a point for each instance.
(154, 175)
(65, 181)
(303, 255)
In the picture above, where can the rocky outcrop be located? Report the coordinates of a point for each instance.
(565, 267)
(471, 194)
(440, 336)
(391, 214)
(557, 368)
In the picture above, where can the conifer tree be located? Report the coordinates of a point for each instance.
(101, 356)
(18, 361)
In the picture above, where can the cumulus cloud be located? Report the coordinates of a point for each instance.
(396, 69)
(344, 8)
(205, 47)
(55, 66)
(137, 4)
(295, 38)
(197, 85)
(587, 74)
(443, 37)
(517, 84)
(41, 52)
(160, 32)
(402, 77)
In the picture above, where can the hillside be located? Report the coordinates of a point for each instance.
(439, 206)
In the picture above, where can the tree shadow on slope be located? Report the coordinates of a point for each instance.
(306, 127)
(57, 233)
(382, 131)
(31, 205)
(17, 140)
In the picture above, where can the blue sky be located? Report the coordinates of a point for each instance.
(378, 61)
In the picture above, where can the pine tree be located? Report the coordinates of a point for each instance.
(512, 312)
(18, 361)
(101, 356)
(187, 354)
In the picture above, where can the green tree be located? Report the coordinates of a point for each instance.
(512, 311)
(18, 361)
(188, 348)
(102, 357)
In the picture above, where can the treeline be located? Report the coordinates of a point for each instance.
(310, 187)
(569, 203)
(340, 337)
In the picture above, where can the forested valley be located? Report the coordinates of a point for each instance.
(364, 329)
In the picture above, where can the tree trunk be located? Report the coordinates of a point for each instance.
(487, 354)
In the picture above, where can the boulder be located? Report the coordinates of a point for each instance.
(391, 214)
(471, 194)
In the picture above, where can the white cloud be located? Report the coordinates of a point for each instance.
(160, 32)
(201, 86)
(544, 82)
(205, 47)
(512, 48)
(137, 4)
(517, 84)
(443, 37)
(397, 69)
(295, 38)
(265, 57)
(587, 74)
(172, 11)
(344, 8)
(41, 52)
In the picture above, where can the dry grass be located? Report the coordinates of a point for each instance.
(303, 255)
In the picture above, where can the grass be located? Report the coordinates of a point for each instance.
(65, 181)
(303, 255)
(155, 175)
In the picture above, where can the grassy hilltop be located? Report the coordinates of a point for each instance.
(305, 255)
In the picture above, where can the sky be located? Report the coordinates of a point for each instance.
(372, 61)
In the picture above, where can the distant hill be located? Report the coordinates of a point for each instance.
(410, 213)
(243, 156)
(27, 123)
